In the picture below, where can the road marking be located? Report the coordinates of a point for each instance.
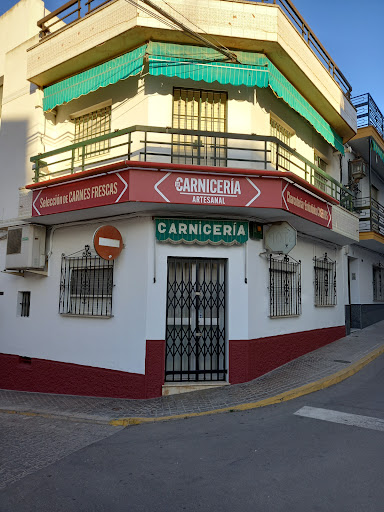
(341, 417)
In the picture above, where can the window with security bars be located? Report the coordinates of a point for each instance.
(280, 157)
(378, 283)
(284, 287)
(325, 281)
(203, 111)
(91, 125)
(23, 303)
(320, 181)
(86, 285)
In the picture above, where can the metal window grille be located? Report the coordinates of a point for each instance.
(199, 110)
(325, 281)
(378, 283)
(319, 180)
(25, 303)
(86, 285)
(93, 125)
(280, 158)
(284, 287)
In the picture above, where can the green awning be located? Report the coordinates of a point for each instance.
(255, 70)
(377, 149)
(110, 72)
(206, 64)
(286, 91)
(199, 64)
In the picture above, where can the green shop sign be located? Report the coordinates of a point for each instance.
(201, 231)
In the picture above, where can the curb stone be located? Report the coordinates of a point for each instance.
(311, 387)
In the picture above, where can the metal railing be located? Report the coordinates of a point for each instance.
(313, 43)
(368, 113)
(67, 14)
(193, 147)
(73, 10)
(371, 215)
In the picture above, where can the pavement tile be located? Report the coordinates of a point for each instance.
(309, 368)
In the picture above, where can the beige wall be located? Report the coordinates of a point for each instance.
(148, 101)
(240, 25)
(18, 25)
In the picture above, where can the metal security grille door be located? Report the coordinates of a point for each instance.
(204, 111)
(195, 330)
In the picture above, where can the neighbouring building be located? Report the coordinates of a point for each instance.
(216, 145)
(366, 178)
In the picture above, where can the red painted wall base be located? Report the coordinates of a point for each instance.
(41, 375)
(249, 359)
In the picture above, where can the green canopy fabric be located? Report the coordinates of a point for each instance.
(199, 64)
(110, 72)
(255, 70)
(377, 149)
(206, 64)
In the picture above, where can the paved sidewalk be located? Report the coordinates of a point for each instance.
(311, 372)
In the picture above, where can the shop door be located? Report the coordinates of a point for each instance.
(195, 330)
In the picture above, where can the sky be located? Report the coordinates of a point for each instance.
(350, 30)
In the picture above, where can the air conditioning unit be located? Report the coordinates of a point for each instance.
(25, 248)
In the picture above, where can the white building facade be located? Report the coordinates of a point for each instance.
(223, 172)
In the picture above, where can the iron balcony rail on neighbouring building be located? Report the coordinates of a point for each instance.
(368, 113)
(371, 214)
(76, 9)
(192, 147)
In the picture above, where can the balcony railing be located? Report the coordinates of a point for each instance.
(371, 214)
(368, 113)
(193, 147)
(75, 9)
(67, 14)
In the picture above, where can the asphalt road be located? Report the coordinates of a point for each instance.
(268, 459)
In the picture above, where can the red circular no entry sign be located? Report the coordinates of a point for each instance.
(108, 242)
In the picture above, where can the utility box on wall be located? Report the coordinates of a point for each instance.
(26, 247)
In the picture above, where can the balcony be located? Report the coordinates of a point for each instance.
(369, 140)
(274, 28)
(368, 113)
(371, 215)
(74, 10)
(188, 147)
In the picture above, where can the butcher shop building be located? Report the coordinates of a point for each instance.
(176, 209)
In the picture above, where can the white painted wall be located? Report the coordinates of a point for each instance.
(117, 343)
(361, 263)
(19, 117)
(312, 317)
(139, 303)
(20, 126)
